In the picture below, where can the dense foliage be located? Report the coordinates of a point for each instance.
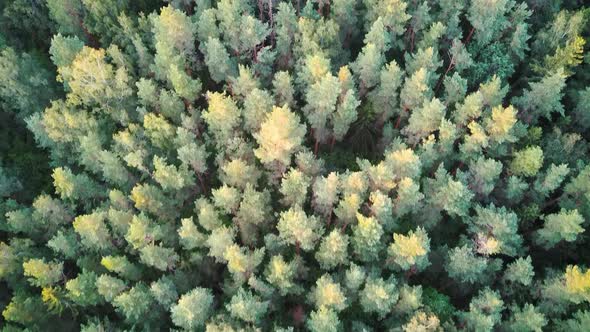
(343, 165)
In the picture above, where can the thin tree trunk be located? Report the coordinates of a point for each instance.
(203, 187)
(469, 36)
(271, 17)
(449, 68)
(260, 10)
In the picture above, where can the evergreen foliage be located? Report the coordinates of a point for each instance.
(344, 165)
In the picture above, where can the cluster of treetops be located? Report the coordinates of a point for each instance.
(321, 165)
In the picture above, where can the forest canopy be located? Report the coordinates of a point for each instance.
(325, 165)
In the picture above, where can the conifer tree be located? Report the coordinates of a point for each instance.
(278, 146)
(183, 314)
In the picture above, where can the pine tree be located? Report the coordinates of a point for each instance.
(164, 291)
(521, 271)
(222, 116)
(183, 313)
(385, 97)
(325, 193)
(484, 310)
(422, 321)
(134, 303)
(279, 147)
(109, 287)
(543, 98)
(410, 251)
(42, 274)
(297, 229)
(527, 318)
(27, 86)
(247, 307)
(93, 231)
(217, 60)
(424, 120)
(328, 294)
(294, 187)
(463, 265)
(378, 296)
(82, 289)
(323, 319)
(366, 238)
(527, 162)
(562, 226)
(333, 250)
(281, 274)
